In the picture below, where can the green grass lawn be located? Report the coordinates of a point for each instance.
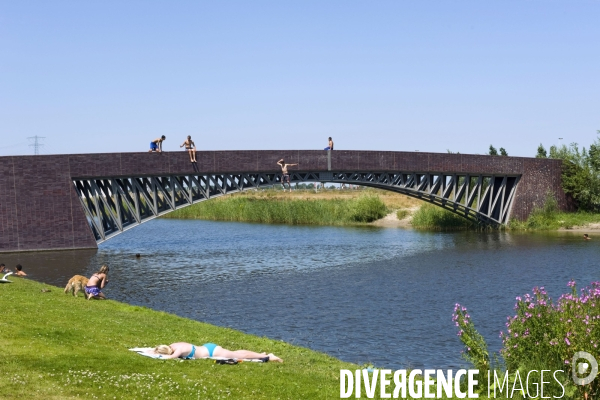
(56, 346)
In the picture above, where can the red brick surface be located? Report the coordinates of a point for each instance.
(39, 208)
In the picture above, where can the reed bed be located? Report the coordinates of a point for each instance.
(242, 208)
(436, 218)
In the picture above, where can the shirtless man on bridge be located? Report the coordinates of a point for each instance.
(284, 172)
(156, 145)
(190, 147)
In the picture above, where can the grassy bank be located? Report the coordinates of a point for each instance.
(433, 217)
(556, 220)
(56, 346)
(285, 208)
(549, 217)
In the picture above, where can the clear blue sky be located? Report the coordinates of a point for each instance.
(108, 76)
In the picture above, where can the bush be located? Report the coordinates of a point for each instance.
(581, 173)
(542, 218)
(367, 208)
(401, 214)
(543, 335)
(435, 217)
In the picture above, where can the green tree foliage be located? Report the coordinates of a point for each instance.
(581, 173)
(503, 152)
(493, 151)
(541, 152)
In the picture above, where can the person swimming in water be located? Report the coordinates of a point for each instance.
(188, 351)
(19, 271)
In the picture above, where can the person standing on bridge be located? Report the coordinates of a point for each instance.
(156, 144)
(330, 147)
(285, 174)
(190, 147)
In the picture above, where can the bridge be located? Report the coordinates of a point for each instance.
(59, 202)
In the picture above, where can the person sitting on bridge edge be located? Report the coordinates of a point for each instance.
(284, 173)
(188, 351)
(156, 144)
(19, 271)
(190, 146)
(330, 147)
(97, 282)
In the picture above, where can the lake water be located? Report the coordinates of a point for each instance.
(366, 295)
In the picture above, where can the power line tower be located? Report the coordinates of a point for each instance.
(36, 143)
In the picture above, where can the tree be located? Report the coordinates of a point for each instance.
(503, 152)
(581, 173)
(541, 152)
(493, 151)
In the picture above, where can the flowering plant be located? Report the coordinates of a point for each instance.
(544, 335)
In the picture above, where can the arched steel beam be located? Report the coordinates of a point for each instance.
(115, 204)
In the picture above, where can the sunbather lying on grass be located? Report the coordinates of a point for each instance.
(189, 351)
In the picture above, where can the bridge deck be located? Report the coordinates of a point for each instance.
(40, 209)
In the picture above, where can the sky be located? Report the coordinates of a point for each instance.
(429, 76)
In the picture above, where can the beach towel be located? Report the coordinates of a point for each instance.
(149, 352)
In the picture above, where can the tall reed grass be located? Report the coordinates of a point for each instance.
(364, 209)
(436, 218)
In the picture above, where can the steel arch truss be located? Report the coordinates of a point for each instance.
(483, 199)
(115, 204)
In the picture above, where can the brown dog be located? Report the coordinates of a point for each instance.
(76, 284)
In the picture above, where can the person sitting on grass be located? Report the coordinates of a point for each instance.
(188, 351)
(20, 271)
(97, 282)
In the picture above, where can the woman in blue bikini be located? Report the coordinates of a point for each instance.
(188, 351)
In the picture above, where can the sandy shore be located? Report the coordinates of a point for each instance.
(391, 220)
(594, 227)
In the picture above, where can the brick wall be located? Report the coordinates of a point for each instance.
(39, 208)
